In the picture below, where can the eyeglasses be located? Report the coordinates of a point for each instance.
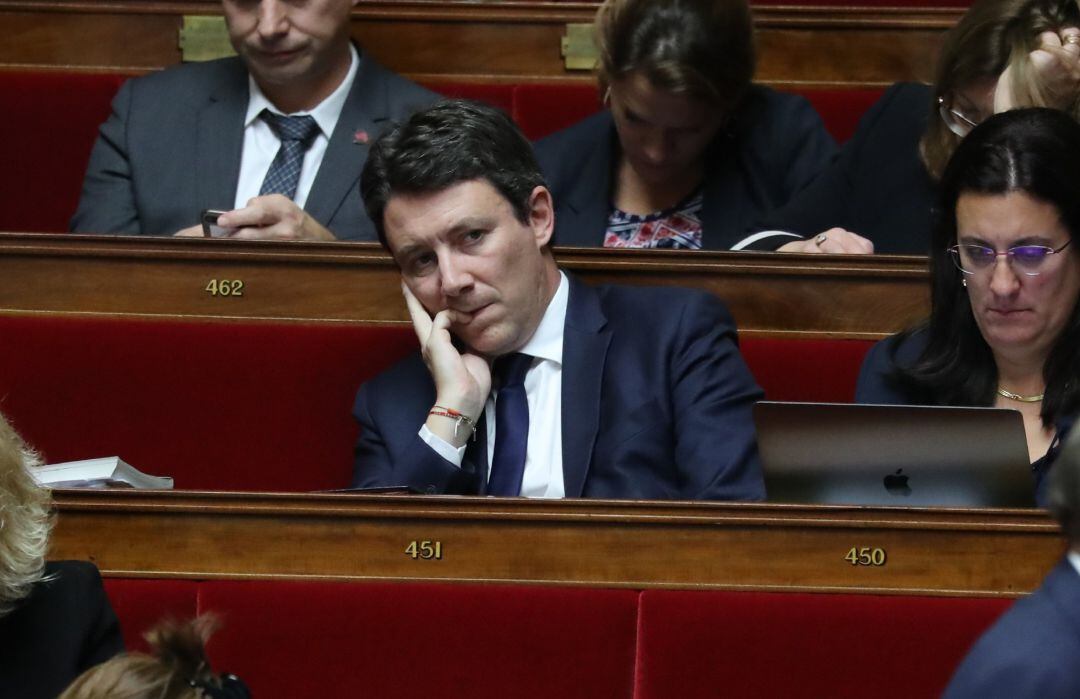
(1025, 259)
(958, 122)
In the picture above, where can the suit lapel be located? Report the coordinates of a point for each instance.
(366, 110)
(219, 141)
(585, 346)
(589, 200)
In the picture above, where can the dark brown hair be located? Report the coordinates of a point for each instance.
(703, 48)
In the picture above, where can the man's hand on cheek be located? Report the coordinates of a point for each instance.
(273, 217)
(462, 379)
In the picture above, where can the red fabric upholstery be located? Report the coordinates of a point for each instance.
(542, 109)
(807, 370)
(257, 406)
(841, 109)
(51, 120)
(756, 644)
(57, 116)
(239, 406)
(141, 604)
(497, 95)
(378, 640)
(337, 639)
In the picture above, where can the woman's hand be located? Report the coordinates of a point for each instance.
(836, 241)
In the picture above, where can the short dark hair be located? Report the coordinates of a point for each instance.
(1035, 151)
(702, 48)
(450, 142)
(1063, 491)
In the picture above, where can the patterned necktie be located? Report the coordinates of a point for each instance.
(296, 135)
(511, 425)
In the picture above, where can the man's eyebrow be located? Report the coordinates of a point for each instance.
(472, 223)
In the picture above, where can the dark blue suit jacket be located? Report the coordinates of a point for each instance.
(774, 146)
(1033, 651)
(173, 142)
(656, 405)
(878, 186)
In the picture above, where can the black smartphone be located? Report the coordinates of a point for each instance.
(210, 226)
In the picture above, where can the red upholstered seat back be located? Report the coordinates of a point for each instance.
(51, 121)
(238, 406)
(821, 371)
(336, 639)
(757, 644)
(542, 109)
(258, 406)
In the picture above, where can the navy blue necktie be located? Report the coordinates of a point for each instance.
(296, 135)
(511, 425)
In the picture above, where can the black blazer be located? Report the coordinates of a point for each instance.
(774, 146)
(878, 186)
(64, 627)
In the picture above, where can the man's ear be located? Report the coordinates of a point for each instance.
(541, 215)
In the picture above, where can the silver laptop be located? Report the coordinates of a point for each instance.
(894, 455)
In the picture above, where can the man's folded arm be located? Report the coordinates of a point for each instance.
(713, 395)
(414, 463)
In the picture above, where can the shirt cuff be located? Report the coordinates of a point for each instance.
(443, 448)
(766, 240)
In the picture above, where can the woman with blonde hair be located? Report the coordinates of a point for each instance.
(55, 620)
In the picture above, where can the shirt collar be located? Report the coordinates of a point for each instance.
(547, 341)
(325, 113)
(1074, 558)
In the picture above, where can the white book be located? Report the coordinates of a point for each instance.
(106, 472)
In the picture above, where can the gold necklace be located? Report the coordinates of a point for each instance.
(1017, 397)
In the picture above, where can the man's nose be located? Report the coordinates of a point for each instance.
(454, 275)
(273, 18)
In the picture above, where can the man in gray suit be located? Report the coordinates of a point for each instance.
(276, 137)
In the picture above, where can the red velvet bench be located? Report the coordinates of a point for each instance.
(259, 406)
(57, 115)
(338, 639)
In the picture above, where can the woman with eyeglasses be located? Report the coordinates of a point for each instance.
(1004, 326)
(689, 153)
(877, 195)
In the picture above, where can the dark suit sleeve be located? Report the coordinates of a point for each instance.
(828, 201)
(805, 145)
(390, 452)
(107, 202)
(874, 385)
(713, 396)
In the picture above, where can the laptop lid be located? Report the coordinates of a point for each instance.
(901, 455)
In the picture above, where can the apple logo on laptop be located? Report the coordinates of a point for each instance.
(897, 483)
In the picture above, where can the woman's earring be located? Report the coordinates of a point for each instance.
(964, 282)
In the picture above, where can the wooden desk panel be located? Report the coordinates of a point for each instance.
(598, 543)
(805, 295)
(498, 40)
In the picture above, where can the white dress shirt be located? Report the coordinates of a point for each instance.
(543, 390)
(1074, 558)
(261, 144)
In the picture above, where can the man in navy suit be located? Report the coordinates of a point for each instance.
(209, 135)
(1033, 650)
(529, 382)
